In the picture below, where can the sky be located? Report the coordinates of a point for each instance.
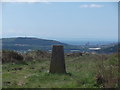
(0, 20)
(61, 20)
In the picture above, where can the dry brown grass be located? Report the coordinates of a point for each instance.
(107, 75)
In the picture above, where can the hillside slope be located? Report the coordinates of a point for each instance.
(23, 43)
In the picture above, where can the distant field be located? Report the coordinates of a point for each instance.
(87, 71)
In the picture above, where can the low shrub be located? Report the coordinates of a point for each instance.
(36, 55)
(11, 56)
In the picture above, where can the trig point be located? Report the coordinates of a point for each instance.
(57, 64)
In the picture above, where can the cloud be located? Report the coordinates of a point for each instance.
(91, 6)
(25, 1)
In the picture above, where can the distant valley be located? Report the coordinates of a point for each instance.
(23, 44)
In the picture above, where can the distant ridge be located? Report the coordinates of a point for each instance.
(30, 40)
(26, 43)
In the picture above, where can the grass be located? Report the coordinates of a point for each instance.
(83, 71)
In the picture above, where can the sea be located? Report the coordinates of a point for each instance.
(89, 42)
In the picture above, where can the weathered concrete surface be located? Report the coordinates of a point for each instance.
(57, 64)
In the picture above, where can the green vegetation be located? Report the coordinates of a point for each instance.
(86, 71)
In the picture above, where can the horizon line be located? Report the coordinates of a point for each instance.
(65, 39)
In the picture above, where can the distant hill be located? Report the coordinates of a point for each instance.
(30, 41)
(25, 43)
